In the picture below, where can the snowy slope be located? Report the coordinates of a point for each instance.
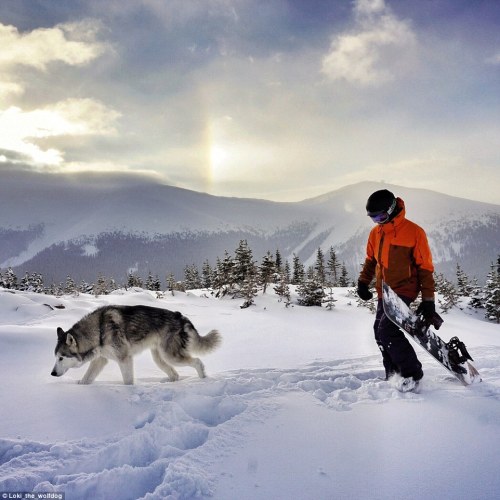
(293, 407)
(109, 224)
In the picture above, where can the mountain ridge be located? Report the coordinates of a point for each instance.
(81, 228)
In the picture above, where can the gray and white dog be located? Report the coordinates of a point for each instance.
(120, 332)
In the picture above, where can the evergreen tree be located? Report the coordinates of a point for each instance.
(10, 279)
(243, 263)
(319, 267)
(171, 283)
(449, 295)
(101, 287)
(286, 275)
(267, 271)
(249, 289)
(192, 277)
(279, 263)
(464, 287)
(133, 280)
(492, 293)
(223, 281)
(310, 292)
(70, 287)
(329, 300)
(333, 268)
(283, 290)
(476, 295)
(344, 277)
(206, 275)
(298, 272)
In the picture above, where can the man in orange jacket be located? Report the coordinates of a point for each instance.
(397, 253)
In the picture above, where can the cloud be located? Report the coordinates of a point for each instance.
(71, 44)
(368, 55)
(20, 130)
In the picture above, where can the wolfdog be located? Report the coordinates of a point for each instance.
(121, 332)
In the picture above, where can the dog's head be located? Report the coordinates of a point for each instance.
(66, 352)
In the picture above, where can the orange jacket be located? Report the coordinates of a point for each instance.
(398, 253)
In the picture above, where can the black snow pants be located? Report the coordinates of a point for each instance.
(398, 354)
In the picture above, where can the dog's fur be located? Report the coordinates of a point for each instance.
(120, 332)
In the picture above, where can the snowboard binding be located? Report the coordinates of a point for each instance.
(457, 352)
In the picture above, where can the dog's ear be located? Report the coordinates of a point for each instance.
(70, 340)
(60, 333)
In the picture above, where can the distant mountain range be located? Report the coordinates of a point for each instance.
(82, 225)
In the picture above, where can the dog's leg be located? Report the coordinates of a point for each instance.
(196, 363)
(127, 368)
(95, 367)
(163, 365)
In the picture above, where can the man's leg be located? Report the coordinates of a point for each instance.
(398, 348)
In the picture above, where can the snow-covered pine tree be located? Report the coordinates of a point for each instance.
(282, 290)
(298, 272)
(449, 295)
(223, 279)
(476, 295)
(206, 275)
(329, 300)
(243, 263)
(319, 267)
(311, 292)
(492, 293)
(101, 287)
(464, 287)
(267, 271)
(10, 279)
(70, 287)
(133, 280)
(249, 288)
(333, 268)
(171, 283)
(344, 276)
(192, 279)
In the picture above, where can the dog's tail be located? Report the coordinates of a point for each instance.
(202, 344)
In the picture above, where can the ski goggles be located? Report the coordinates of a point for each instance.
(382, 216)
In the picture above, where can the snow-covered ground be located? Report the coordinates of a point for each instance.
(294, 407)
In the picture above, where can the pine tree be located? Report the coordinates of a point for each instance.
(267, 271)
(171, 283)
(344, 277)
(223, 281)
(10, 279)
(283, 291)
(464, 287)
(101, 287)
(298, 272)
(133, 280)
(310, 292)
(243, 263)
(329, 300)
(206, 275)
(476, 295)
(449, 295)
(249, 289)
(492, 293)
(333, 268)
(319, 266)
(279, 263)
(192, 278)
(70, 287)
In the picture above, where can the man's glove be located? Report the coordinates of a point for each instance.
(363, 291)
(427, 309)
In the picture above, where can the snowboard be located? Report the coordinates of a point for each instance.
(452, 355)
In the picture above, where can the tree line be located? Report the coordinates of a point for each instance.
(241, 276)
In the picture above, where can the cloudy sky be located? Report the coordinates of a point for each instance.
(276, 99)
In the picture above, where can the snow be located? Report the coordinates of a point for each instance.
(293, 407)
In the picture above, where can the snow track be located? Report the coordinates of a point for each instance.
(272, 420)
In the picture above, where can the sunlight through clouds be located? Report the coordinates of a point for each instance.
(366, 56)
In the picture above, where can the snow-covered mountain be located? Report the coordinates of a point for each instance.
(85, 225)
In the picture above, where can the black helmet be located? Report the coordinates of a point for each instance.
(381, 205)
